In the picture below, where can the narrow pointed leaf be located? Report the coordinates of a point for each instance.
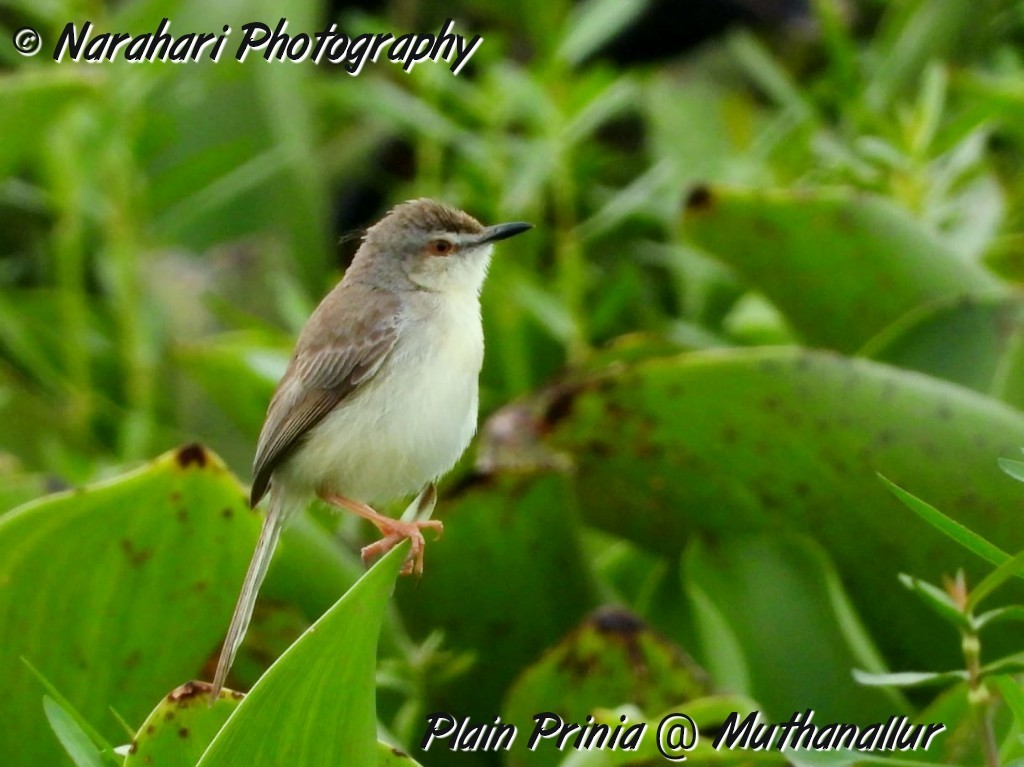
(316, 705)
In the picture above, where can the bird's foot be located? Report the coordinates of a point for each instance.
(395, 531)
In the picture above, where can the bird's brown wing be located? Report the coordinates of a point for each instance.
(336, 353)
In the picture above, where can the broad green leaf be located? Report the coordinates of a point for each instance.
(841, 266)
(975, 342)
(710, 443)
(318, 699)
(771, 591)
(116, 592)
(611, 659)
(512, 535)
(180, 728)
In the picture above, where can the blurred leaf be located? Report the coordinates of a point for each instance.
(880, 262)
(909, 678)
(142, 610)
(33, 103)
(913, 34)
(1014, 468)
(17, 487)
(514, 535)
(1012, 613)
(708, 443)
(765, 70)
(970, 341)
(318, 701)
(721, 648)
(937, 599)
(1013, 694)
(593, 23)
(1011, 664)
(612, 658)
(180, 728)
(771, 592)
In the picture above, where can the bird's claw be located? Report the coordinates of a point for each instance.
(397, 531)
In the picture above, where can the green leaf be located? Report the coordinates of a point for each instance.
(80, 722)
(593, 23)
(612, 658)
(389, 756)
(1011, 568)
(770, 589)
(1013, 695)
(914, 34)
(881, 263)
(319, 697)
(937, 599)
(908, 678)
(79, 746)
(515, 535)
(180, 728)
(791, 440)
(1011, 664)
(1011, 613)
(1014, 468)
(156, 558)
(33, 102)
(721, 649)
(974, 342)
(960, 533)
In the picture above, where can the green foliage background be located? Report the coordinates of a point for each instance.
(763, 272)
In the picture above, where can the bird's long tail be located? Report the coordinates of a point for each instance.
(278, 512)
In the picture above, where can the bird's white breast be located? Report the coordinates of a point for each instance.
(413, 420)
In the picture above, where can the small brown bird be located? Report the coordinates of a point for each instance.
(380, 396)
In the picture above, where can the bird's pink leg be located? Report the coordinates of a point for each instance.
(394, 531)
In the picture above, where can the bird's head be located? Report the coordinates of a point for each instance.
(430, 245)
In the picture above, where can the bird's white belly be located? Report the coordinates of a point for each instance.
(407, 426)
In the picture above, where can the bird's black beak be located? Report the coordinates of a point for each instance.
(503, 231)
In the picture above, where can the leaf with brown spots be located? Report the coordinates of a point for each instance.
(180, 728)
(611, 659)
(97, 591)
(792, 440)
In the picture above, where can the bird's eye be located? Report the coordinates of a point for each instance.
(441, 247)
